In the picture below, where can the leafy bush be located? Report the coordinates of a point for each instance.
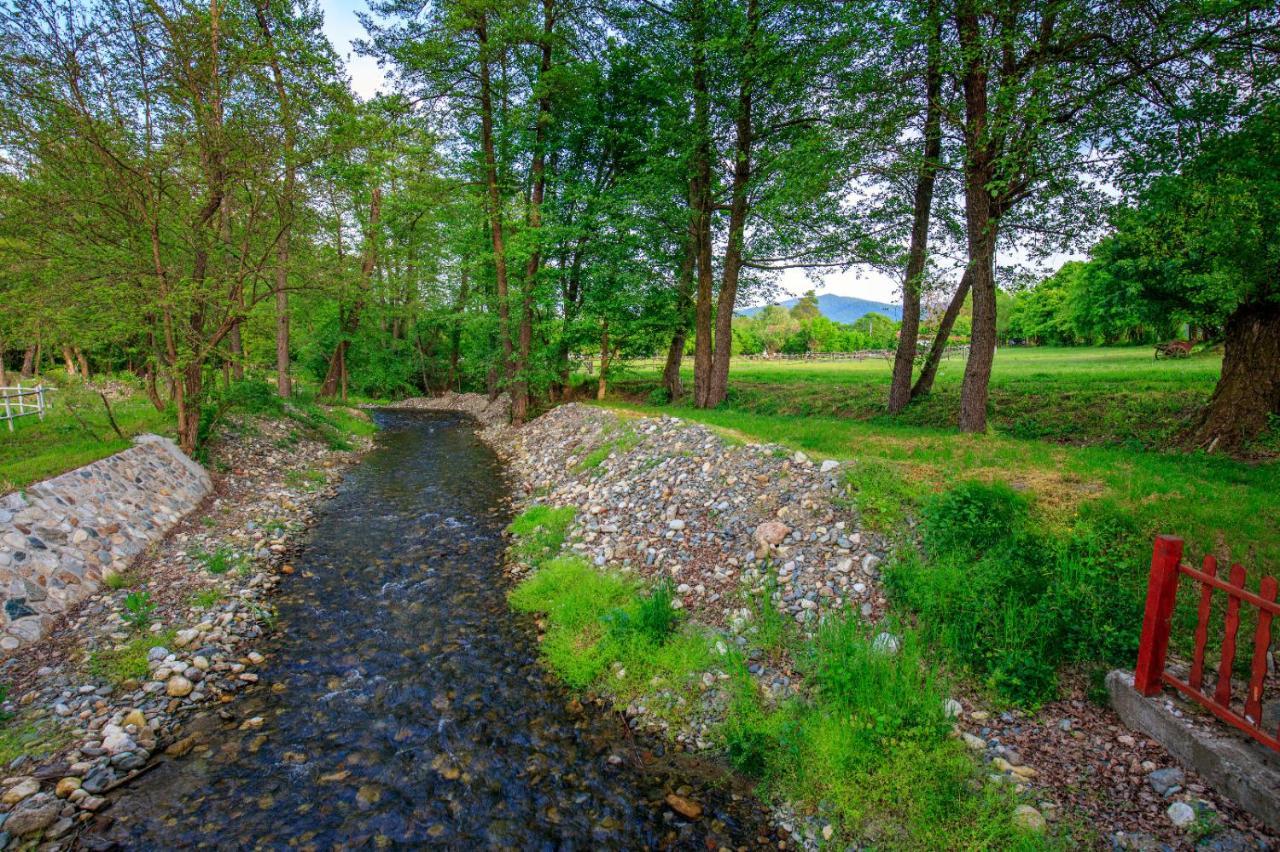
(972, 518)
(651, 618)
(1012, 604)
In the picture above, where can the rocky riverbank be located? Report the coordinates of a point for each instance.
(115, 683)
(728, 522)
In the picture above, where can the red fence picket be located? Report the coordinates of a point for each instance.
(1162, 588)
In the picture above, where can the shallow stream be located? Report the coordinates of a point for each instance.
(403, 703)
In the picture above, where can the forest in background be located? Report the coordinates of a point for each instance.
(190, 190)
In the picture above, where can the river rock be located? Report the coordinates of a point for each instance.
(1166, 781)
(178, 686)
(684, 807)
(24, 788)
(67, 786)
(1030, 819)
(33, 814)
(1181, 814)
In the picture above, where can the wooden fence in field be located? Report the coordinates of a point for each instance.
(18, 401)
(1151, 675)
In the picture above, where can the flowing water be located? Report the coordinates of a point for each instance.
(408, 706)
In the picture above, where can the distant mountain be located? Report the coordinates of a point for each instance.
(840, 308)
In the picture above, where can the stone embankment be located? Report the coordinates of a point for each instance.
(101, 697)
(60, 537)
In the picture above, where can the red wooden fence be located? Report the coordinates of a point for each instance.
(1162, 589)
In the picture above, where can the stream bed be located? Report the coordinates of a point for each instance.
(402, 702)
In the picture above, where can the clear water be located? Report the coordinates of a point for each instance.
(414, 711)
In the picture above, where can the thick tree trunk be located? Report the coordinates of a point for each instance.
(495, 199)
(684, 298)
(924, 384)
(980, 223)
(738, 203)
(83, 362)
(909, 333)
(1248, 391)
(520, 388)
(701, 201)
(190, 389)
(70, 360)
(572, 298)
(284, 383)
(28, 362)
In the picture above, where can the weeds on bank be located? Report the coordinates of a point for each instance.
(138, 610)
(625, 440)
(221, 560)
(539, 532)
(207, 598)
(33, 738)
(869, 748)
(129, 661)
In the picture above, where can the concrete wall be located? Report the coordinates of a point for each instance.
(58, 537)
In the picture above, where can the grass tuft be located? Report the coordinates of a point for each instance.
(129, 661)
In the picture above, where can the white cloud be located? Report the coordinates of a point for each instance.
(342, 27)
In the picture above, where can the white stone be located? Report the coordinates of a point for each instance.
(1181, 814)
(830, 465)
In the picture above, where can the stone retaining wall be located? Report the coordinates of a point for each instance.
(58, 537)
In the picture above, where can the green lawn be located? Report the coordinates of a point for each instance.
(38, 449)
(1079, 396)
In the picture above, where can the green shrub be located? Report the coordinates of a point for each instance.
(651, 618)
(1014, 605)
(539, 531)
(972, 518)
(886, 692)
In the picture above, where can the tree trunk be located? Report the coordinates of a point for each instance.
(571, 298)
(1248, 391)
(684, 297)
(190, 388)
(604, 359)
(83, 362)
(980, 224)
(520, 388)
(909, 333)
(738, 205)
(455, 332)
(336, 376)
(28, 362)
(284, 383)
(69, 359)
(924, 384)
(495, 199)
(701, 202)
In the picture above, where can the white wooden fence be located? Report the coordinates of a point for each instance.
(19, 402)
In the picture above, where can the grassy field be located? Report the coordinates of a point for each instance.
(1061, 579)
(63, 441)
(76, 430)
(1078, 396)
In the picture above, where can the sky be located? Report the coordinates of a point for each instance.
(342, 27)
